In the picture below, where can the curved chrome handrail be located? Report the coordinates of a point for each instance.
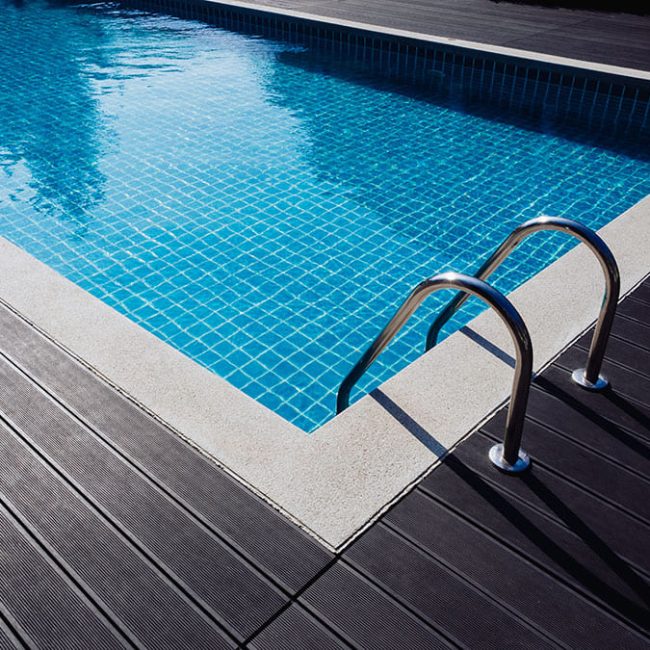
(588, 377)
(508, 456)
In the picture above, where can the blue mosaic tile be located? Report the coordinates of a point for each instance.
(265, 207)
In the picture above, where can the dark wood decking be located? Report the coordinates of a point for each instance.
(613, 38)
(114, 532)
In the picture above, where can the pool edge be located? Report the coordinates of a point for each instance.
(334, 483)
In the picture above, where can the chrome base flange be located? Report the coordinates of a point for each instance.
(521, 464)
(578, 377)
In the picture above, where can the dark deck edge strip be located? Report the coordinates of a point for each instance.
(578, 591)
(184, 590)
(70, 576)
(495, 600)
(405, 609)
(189, 510)
(577, 484)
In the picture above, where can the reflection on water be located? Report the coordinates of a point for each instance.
(49, 156)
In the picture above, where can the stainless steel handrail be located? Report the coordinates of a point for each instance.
(588, 377)
(508, 457)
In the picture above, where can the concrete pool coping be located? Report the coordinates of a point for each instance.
(335, 482)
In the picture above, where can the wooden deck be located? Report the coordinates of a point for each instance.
(613, 38)
(478, 559)
(116, 533)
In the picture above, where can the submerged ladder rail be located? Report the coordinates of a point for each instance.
(588, 377)
(508, 456)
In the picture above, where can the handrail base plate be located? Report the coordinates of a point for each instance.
(578, 377)
(521, 464)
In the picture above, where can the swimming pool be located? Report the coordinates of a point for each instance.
(264, 208)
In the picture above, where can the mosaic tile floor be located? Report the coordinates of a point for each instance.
(260, 209)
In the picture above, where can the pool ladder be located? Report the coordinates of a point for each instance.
(509, 456)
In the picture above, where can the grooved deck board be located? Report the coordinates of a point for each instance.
(365, 614)
(609, 410)
(625, 354)
(626, 329)
(556, 538)
(570, 418)
(437, 595)
(37, 594)
(283, 550)
(626, 382)
(527, 590)
(98, 555)
(636, 310)
(642, 293)
(232, 592)
(588, 470)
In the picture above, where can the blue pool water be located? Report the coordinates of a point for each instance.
(260, 209)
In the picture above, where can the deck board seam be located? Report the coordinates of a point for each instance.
(295, 600)
(321, 625)
(17, 634)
